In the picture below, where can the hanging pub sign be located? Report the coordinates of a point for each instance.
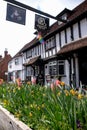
(15, 14)
(41, 23)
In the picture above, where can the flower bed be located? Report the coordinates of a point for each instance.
(44, 108)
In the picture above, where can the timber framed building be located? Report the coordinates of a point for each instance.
(64, 54)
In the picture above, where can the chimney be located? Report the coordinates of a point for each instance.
(5, 52)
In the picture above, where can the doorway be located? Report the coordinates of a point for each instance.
(83, 68)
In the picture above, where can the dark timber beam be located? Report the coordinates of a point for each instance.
(34, 10)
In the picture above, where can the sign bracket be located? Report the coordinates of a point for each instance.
(35, 10)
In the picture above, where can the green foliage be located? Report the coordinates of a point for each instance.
(45, 109)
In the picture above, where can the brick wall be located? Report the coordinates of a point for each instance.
(4, 65)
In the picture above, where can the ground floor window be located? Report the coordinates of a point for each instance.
(10, 76)
(18, 74)
(61, 67)
(53, 70)
(57, 68)
(29, 71)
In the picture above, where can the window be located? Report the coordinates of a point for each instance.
(37, 50)
(62, 38)
(29, 71)
(28, 53)
(46, 54)
(17, 73)
(32, 50)
(36, 70)
(16, 61)
(53, 68)
(57, 68)
(50, 43)
(61, 65)
(64, 17)
(10, 76)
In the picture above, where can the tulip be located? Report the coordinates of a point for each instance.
(1, 81)
(57, 82)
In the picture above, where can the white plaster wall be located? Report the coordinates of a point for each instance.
(54, 51)
(75, 31)
(43, 51)
(68, 33)
(15, 67)
(66, 77)
(50, 54)
(23, 74)
(18, 67)
(57, 42)
(83, 27)
(10, 69)
(46, 54)
(24, 58)
(62, 38)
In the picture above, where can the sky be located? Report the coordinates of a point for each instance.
(14, 36)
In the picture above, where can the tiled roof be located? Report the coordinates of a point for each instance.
(73, 46)
(79, 10)
(32, 61)
(28, 45)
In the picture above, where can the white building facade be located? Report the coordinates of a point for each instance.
(16, 68)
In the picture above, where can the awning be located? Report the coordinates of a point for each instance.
(73, 46)
(33, 61)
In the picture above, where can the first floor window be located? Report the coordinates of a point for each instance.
(16, 61)
(28, 53)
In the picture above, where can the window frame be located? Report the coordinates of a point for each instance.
(61, 63)
(28, 53)
(50, 43)
(16, 61)
(55, 65)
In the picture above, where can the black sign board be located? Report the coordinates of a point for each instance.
(41, 23)
(16, 14)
